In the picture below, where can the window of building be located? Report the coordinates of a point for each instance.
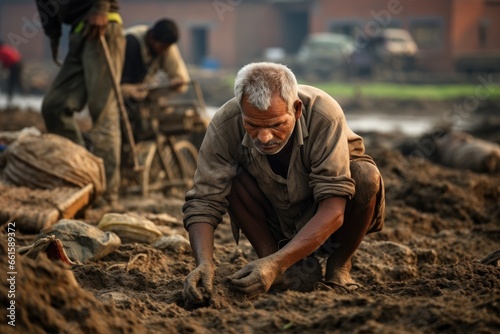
(484, 24)
(428, 32)
(355, 27)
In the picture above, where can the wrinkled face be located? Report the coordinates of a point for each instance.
(270, 130)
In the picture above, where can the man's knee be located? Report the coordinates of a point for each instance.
(244, 189)
(367, 177)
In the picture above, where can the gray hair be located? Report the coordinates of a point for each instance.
(258, 82)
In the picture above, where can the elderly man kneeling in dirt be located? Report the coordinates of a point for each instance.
(280, 158)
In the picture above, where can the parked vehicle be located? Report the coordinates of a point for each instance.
(392, 49)
(324, 55)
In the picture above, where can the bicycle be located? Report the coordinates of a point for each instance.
(167, 132)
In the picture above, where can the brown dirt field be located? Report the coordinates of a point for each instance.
(420, 274)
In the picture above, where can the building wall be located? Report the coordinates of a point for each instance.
(470, 17)
(258, 26)
(465, 27)
(492, 17)
(238, 31)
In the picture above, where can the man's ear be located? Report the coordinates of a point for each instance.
(297, 106)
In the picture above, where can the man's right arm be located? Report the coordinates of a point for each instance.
(201, 237)
(198, 286)
(50, 20)
(52, 27)
(176, 69)
(206, 204)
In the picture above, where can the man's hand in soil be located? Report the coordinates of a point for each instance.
(96, 25)
(256, 277)
(198, 285)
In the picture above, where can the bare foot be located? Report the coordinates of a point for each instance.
(337, 287)
(340, 281)
(338, 278)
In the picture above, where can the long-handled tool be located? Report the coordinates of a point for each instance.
(121, 104)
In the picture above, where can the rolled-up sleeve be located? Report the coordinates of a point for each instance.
(328, 150)
(330, 163)
(175, 67)
(206, 202)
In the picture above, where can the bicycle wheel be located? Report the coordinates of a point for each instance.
(188, 154)
(151, 172)
(181, 166)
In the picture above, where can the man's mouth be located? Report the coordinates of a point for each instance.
(268, 148)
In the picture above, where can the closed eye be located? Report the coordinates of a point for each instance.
(274, 126)
(249, 125)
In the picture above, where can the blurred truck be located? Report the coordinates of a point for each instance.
(323, 56)
(391, 50)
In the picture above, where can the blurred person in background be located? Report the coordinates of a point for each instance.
(12, 61)
(150, 50)
(84, 79)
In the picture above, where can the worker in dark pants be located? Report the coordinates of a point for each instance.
(84, 79)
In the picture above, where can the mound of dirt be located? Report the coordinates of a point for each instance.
(47, 299)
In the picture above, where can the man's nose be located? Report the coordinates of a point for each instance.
(265, 136)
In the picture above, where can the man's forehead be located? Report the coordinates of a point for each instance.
(276, 100)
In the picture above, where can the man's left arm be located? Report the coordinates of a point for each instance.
(258, 276)
(175, 67)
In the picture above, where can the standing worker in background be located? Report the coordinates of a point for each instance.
(84, 78)
(11, 60)
(150, 50)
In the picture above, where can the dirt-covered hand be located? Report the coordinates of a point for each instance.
(96, 25)
(198, 285)
(256, 277)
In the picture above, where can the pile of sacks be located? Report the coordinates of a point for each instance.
(47, 161)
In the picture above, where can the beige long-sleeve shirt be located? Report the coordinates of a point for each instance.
(141, 66)
(319, 166)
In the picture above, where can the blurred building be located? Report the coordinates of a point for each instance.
(229, 33)
(446, 31)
